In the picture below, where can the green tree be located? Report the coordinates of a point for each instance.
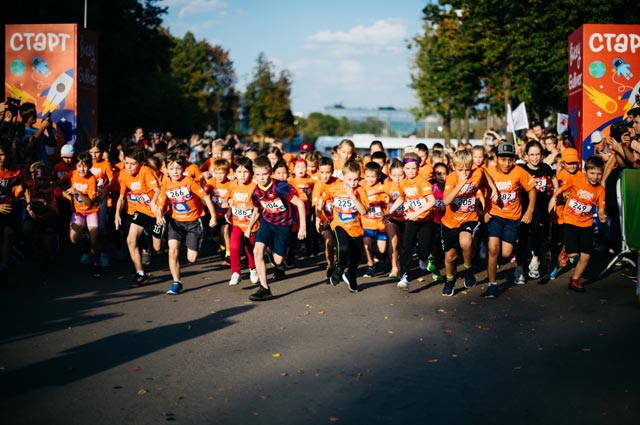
(267, 102)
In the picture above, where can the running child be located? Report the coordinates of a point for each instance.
(239, 214)
(349, 204)
(218, 189)
(276, 200)
(184, 196)
(585, 191)
(304, 185)
(461, 196)
(101, 170)
(436, 259)
(533, 238)
(505, 214)
(324, 211)
(83, 193)
(142, 187)
(395, 223)
(417, 195)
(375, 235)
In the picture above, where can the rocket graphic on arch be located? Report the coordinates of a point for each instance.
(57, 92)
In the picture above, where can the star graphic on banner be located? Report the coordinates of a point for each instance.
(601, 87)
(599, 114)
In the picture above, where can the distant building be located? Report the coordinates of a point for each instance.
(400, 121)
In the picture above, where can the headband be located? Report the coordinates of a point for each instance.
(405, 161)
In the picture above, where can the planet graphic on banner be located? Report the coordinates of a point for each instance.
(17, 67)
(597, 69)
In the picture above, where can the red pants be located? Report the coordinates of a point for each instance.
(237, 242)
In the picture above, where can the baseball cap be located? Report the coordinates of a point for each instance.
(306, 147)
(67, 151)
(506, 149)
(597, 137)
(570, 155)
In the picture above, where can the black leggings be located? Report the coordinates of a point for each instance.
(349, 250)
(416, 231)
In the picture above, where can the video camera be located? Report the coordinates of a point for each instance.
(12, 105)
(618, 129)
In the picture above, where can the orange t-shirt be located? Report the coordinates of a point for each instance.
(102, 172)
(219, 193)
(140, 189)
(463, 207)
(345, 213)
(130, 200)
(509, 205)
(241, 205)
(194, 172)
(378, 204)
(10, 180)
(304, 186)
(327, 207)
(415, 192)
(184, 197)
(563, 179)
(393, 190)
(578, 210)
(87, 186)
(426, 171)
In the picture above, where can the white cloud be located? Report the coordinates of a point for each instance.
(200, 7)
(384, 36)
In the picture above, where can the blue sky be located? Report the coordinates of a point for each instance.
(348, 52)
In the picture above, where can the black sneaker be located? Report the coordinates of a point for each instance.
(138, 280)
(352, 286)
(262, 294)
(278, 274)
(329, 273)
(97, 270)
(369, 272)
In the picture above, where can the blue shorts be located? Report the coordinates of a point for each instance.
(504, 229)
(276, 237)
(377, 235)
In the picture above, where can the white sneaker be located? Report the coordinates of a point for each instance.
(423, 264)
(404, 282)
(253, 276)
(533, 268)
(235, 278)
(518, 276)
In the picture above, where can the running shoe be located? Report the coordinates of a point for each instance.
(469, 278)
(253, 276)
(518, 276)
(447, 288)
(262, 294)
(575, 285)
(404, 282)
(369, 272)
(352, 286)
(138, 280)
(492, 291)
(235, 279)
(534, 266)
(175, 289)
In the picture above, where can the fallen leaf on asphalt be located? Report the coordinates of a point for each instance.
(442, 311)
(275, 355)
(213, 312)
(334, 419)
(540, 349)
(473, 303)
(218, 300)
(142, 391)
(390, 332)
(432, 361)
(283, 374)
(386, 317)
(306, 312)
(309, 306)
(321, 312)
(448, 331)
(300, 371)
(455, 356)
(264, 397)
(420, 279)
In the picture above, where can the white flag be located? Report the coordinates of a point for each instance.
(563, 123)
(517, 120)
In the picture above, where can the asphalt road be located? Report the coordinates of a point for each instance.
(85, 350)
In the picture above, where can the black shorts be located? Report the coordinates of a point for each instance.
(276, 237)
(577, 239)
(148, 224)
(451, 237)
(401, 224)
(189, 232)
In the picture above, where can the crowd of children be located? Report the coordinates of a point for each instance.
(450, 211)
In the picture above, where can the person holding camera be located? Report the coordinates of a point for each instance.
(34, 143)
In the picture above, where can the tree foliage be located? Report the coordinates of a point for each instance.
(518, 50)
(267, 105)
